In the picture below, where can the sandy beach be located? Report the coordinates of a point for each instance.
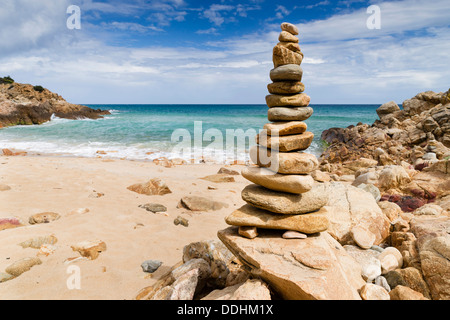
(132, 234)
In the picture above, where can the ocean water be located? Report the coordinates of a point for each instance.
(144, 132)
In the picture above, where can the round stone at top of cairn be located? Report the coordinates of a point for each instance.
(283, 195)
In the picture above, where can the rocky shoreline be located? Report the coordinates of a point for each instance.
(24, 104)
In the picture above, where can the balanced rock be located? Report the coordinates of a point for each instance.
(283, 56)
(286, 87)
(296, 184)
(284, 162)
(288, 72)
(285, 128)
(287, 37)
(298, 142)
(286, 203)
(297, 100)
(289, 114)
(289, 27)
(305, 223)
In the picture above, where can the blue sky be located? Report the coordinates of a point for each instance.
(182, 51)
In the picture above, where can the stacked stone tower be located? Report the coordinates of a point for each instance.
(283, 195)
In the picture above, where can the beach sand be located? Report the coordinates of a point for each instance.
(132, 234)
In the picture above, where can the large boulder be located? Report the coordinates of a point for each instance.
(316, 268)
(349, 206)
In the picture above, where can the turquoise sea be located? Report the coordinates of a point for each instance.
(134, 131)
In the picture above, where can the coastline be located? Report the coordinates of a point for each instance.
(132, 234)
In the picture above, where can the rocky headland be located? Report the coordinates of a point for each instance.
(25, 104)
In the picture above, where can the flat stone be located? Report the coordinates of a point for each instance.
(21, 266)
(284, 162)
(296, 184)
(249, 216)
(283, 56)
(297, 100)
(363, 237)
(286, 87)
(294, 235)
(298, 142)
(196, 203)
(316, 268)
(289, 27)
(249, 290)
(286, 203)
(285, 128)
(374, 292)
(153, 207)
(288, 72)
(44, 217)
(287, 37)
(150, 266)
(248, 232)
(289, 114)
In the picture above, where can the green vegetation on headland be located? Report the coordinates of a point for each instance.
(6, 79)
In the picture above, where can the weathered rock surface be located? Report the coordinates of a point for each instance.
(44, 217)
(283, 56)
(250, 290)
(349, 206)
(90, 249)
(21, 266)
(316, 268)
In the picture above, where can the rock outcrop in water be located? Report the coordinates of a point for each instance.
(24, 104)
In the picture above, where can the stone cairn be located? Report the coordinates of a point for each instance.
(284, 195)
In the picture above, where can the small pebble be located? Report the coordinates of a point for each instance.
(150, 266)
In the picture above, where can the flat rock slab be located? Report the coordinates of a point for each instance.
(286, 87)
(296, 184)
(285, 128)
(298, 142)
(316, 268)
(284, 162)
(289, 114)
(288, 72)
(296, 100)
(195, 203)
(249, 216)
(153, 207)
(286, 203)
(219, 178)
